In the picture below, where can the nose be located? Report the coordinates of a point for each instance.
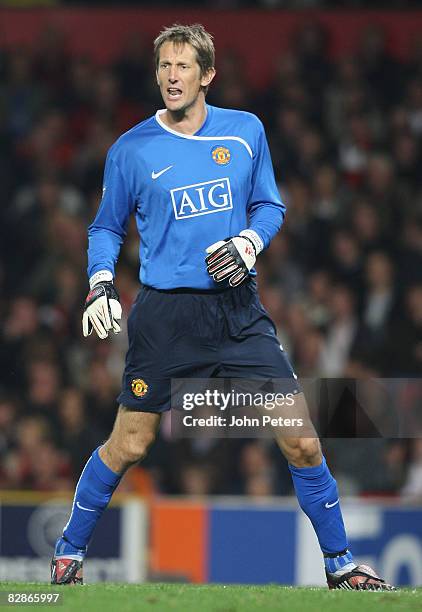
(173, 74)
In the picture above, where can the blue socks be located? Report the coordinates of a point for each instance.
(315, 488)
(67, 550)
(339, 563)
(93, 492)
(317, 494)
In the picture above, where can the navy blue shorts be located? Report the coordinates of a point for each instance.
(194, 334)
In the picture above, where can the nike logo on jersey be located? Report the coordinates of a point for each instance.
(83, 508)
(155, 175)
(327, 505)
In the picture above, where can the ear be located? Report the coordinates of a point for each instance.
(208, 77)
(156, 78)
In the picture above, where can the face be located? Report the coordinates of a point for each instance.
(179, 76)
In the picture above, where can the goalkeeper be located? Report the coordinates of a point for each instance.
(200, 183)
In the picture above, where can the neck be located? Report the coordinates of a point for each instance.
(186, 121)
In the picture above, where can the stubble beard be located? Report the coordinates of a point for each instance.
(180, 113)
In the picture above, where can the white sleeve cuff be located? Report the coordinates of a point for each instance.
(98, 277)
(254, 238)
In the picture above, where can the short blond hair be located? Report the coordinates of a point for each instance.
(194, 35)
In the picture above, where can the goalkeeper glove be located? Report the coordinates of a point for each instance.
(102, 307)
(233, 258)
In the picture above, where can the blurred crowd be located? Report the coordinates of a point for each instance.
(263, 4)
(342, 280)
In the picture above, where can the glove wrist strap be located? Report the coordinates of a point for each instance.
(99, 277)
(254, 238)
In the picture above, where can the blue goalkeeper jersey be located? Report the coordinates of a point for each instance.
(186, 192)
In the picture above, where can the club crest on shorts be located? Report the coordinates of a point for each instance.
(221, 155)
(139, 387)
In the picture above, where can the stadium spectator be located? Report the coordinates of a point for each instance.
(404, 356)
(22, 99)
(380, 70)
(257, 470)
(33, 433)
(412, 488)
(78, 434)
(366, 226)
(380, 298)
(341, 334)
(8, 418)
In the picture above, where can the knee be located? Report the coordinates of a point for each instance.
(124, 452)
(304, 452)
(135, 447)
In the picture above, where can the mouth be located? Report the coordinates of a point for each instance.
(174, 93)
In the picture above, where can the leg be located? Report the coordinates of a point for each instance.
(256, 354)
(318, 497)
(315, 487)
(132, 435)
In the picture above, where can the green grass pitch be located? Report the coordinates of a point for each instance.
(215, 598)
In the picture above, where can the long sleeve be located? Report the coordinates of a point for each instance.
(108, 230)
(265, 209)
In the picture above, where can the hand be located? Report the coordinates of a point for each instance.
(231, 260)
(102, 310)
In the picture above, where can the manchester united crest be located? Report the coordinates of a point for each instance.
(221, 155)
(139, 387)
